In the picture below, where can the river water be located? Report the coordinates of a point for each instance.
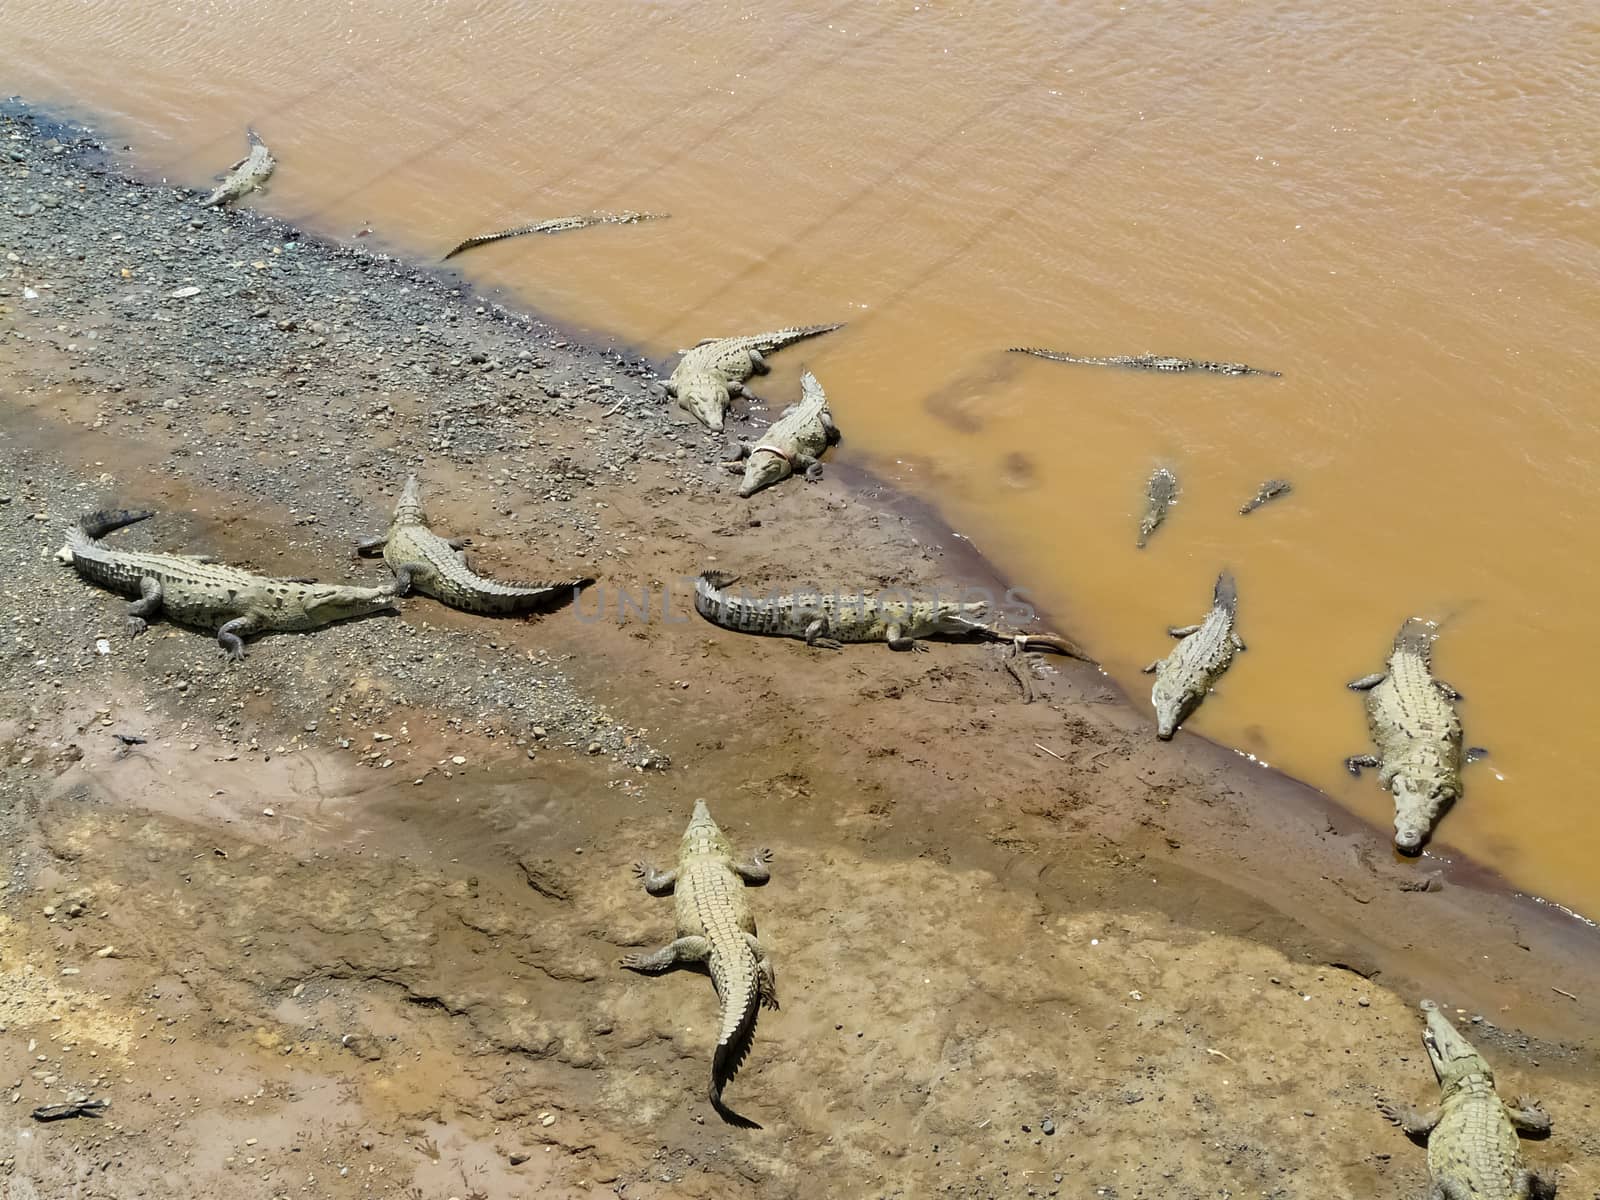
(1394, 207)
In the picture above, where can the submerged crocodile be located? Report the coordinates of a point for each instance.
(1473, 1151)
(1146, 362)
(1414, 725)
(716, 930)
(437, 566)
(559, 225)
(247, 175)
(1270, 490)
(197, 590)
(1160, 492)
(1202, 654)
(794, 442)
(827, 620)
(710, 374)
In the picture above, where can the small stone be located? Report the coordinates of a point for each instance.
(594, 747)
(1363, 1001)
(548, 1120)
(183, 293)
(1047, 1127)
(459, 760)
(516, 1158)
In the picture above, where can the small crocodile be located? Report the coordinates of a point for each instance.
(1203, 653)
(1160, 493)
(1270, 490)
(710, 374)
(560, 225)
(437, 566)
(197, 590)
(247, 175)
(793, 442)
(829, 620)
(716, 931)
(1473, 1151)
(1414, 725)
(1147, 362)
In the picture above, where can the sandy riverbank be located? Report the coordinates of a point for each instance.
(344, 963)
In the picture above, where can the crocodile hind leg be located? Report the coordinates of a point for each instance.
(814, 638)
(1150, 668)
(1182, 631)
(758, 364)
(673, 954)
(1367, 682)
(372, 546)
(657, 883)
(829, 429)
(766, 975)
(405, 575)
(1528, 1116)
(231, 636)
(896, 641)
(1355, 762)
(1415, 1122)
(146, 606)
(755, 872)
(810, 468)
(734, 463)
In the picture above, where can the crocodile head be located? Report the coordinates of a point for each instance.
(763, 469)
(1173, 703)
(705, 398)
(1417, 808)
(408, 509)
(1451, 1054)
(338, 602)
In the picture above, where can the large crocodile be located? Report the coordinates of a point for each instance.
(827, 620)
(246, 175)
(199, 591)
(1146, 362)
(1414, 725)
(559, 225)
(1473, 1151)
(716, 931)
(794, 442)
(1203, 653)
(1160, 493)
(712, 372)
(437, 566)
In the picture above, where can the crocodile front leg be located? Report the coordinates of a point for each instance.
(755, 872)
(896, 641)
(1528, 1117)
(1182, 631)
(1367, 682)
(147, 606)
(405, 575)
(657, 883)
(814, 638)
(673, 954)
(1415, 1122)
(809, 468)
(231, 636)
(1355, 762)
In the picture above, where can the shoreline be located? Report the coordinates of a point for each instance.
(915, 771)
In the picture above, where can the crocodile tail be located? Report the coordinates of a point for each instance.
(1415, 637)
(1226, 594)
(741, 1003)
(490, 595)
(96, 525)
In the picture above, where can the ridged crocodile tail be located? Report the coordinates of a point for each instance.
(1226, 594)
(558, 225)
(96, 525)
(741, 1003)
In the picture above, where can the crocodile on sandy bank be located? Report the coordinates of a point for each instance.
(195, 590)
(711, 373)
(716, 931)
(1473, 1151)
(1414, 725)
(827, 620)
(1146, 362)
(1160, 493)
(437, 566)
(1202, 654)
(249, 174)
(794, 442)
(559, 225)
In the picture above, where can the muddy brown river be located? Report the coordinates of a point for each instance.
(1393, 208)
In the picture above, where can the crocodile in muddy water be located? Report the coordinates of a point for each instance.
(437, 566)
(1160, 494)
(558, 225)
(716, 931)
(1203, 653)
(1473, 1149)
(249, 174)
(1271, 490)
(1147, 362)
(1417, 733)
(794, 442)
(194, 590)
(829, 619)
(711, 373)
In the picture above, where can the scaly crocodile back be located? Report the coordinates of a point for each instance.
(799, 428)
(559, 225)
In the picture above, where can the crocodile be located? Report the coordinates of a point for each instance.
(1203, 653)
(828, 620)
(559, 225)
(1414, 725)
(1473, 1151)
(793, 442)
(1160, 493)
(197, 590)
(712, 372)
(249, 174)
(437, 566)
(1147, 362)
(716, 931)
(1270, 490)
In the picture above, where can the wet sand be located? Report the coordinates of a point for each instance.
(343, 963)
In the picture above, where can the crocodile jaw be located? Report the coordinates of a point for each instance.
(1451, 1054)
(705, 400)
(1172, 704)
(762, 471)
(1415, 813)
(338, 603)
